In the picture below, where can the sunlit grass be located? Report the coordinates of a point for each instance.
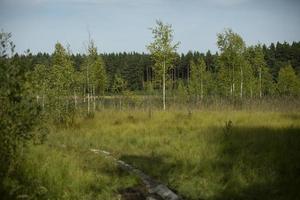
(256, 157)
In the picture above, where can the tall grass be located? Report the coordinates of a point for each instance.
(49, 172)
(199, 154)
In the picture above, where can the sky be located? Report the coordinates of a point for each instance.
(123, 25)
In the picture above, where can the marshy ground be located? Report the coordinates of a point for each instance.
(200, 155)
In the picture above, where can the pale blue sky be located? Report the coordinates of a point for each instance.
(122, 25)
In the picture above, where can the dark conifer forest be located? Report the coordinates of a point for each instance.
(136, 68)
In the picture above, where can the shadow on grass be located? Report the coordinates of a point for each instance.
(261, 163)
(254, 163)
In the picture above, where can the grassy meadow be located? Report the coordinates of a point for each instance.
(198, 154)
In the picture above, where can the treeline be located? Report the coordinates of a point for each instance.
(136, 69)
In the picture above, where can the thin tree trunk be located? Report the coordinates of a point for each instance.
(75, 100)
(88, 101)
(201, 86)
(84, 94)
(147, 74)
(233, 85)
(94, 98)
(260, 92)
(164, 85)
(241, 92)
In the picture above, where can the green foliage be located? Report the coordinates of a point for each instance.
(119, 84)
(231, 62)
(61, 87)
(149, 88)
(161, 49)
(19, 112)
(200, 79)
(163, 53)
(262, 83)
(288, 82)
(95, 71)
(182, 92)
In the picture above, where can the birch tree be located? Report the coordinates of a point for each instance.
(95, 75)
(119, 84)
(163, 52)
(232, 48)
(198, 78)
(263, 79)
(40, 83)
(288, 83)
(61, 82)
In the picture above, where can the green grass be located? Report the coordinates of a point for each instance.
(195, 154)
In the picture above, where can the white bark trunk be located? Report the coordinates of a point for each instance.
(241, 92)
(164, 85)
(88, 101)
(94, 98)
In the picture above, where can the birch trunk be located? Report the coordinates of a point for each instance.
(164, 85)
(94, 98)
(241, 92)
(88, 101)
